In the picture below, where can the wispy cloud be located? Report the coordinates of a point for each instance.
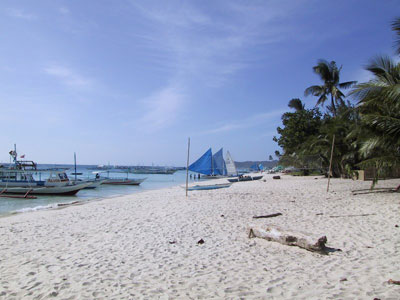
(68, 76)
(64, 10)
(248, 122)
(162, 108)
(19, 13)
(210, 50)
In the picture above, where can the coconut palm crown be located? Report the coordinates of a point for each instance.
(330, 76)
(396, 29)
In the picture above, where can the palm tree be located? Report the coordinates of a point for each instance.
(396, 29)
(330, 75)
(379, 106)
(296, 104)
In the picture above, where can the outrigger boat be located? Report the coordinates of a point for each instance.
(209, 187)
(120, 181)
(18, 179)
(244, 178)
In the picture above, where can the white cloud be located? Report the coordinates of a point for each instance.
(162, 108)
(64, 10)
(249, 122)
(67, 76)
(211, 50)
(18, 13)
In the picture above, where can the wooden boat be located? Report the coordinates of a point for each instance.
(245, 178)
(160, 171)
(93, 183)
(209, 187)
(66, 190)
(123, 181)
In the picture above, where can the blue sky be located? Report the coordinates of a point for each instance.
(127, 82)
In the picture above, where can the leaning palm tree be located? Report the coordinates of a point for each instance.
(396, 29)
(330, 76)
(296, 104)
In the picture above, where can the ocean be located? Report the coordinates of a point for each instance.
(153, 181)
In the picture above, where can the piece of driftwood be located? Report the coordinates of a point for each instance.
(267, 216)
(343, 216)
(276, 177)
(289, 238)
(391, 281)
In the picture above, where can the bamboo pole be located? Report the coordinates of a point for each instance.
(330, 163)
(187, 167)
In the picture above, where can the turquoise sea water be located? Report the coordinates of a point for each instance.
(153, 181)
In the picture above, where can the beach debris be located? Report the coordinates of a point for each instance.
(267, 216)
(172, 242)
(319, 214)
(200, 242)
(301, 240)
(222, 216)
(265, 180)
(391, 281)
(343, 279)
(276, 177)
(362, 215)
(396, 226)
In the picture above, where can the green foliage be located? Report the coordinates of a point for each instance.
(329, 74)
(365, 136)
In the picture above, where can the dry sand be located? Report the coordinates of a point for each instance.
(144, 246)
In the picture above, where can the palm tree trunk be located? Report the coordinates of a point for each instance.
(333, 106)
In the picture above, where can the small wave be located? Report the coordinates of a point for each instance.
(36, 208)
(43, 207)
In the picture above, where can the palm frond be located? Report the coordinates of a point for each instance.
(315, 90)
(396, 29)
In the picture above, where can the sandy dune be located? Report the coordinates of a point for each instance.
(145, 245)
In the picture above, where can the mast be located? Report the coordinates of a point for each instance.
(187, 167)
(75, 164)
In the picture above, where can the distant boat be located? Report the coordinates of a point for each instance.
(209, 187)
(162, 171)
(123, 181)
(211, 166)
(244, 178)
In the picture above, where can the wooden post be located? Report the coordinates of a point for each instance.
(187, 167)
(330, 163)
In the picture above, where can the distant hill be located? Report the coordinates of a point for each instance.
(247, 164)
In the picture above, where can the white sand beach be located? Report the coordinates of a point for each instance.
(144, 246)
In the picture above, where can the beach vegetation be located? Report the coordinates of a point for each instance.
(367, 133)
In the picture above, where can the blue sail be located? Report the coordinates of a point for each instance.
(218, 163)
(204, 164)
(254, 167)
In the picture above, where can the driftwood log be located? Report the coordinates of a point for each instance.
(289, 238)
(268, 216)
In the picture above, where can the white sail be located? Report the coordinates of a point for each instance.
(230, 165)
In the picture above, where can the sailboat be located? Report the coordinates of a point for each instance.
(211, 166)
(230, 165)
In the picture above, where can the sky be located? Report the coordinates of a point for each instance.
(127, 82)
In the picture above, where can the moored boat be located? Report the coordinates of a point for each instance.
(244, 178)
(209, 187)
(67, 190)
(123, 181)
